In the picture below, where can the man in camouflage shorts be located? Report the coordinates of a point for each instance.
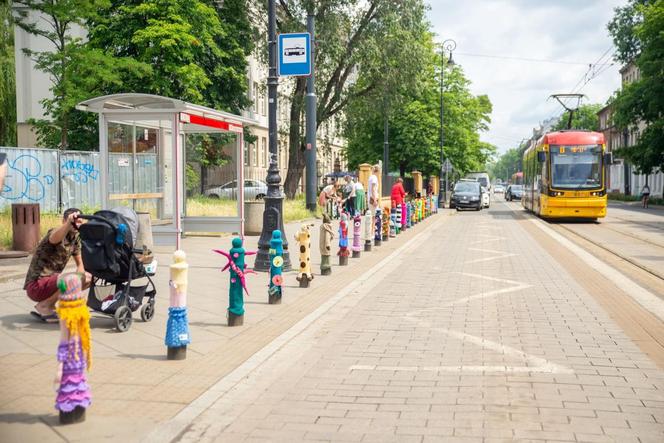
(50, 258)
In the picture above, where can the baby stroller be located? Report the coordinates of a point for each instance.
(107, 244)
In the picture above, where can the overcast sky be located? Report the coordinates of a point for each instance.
(571, 31)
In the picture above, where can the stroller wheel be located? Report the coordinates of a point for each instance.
(147, 311)
(123, 319)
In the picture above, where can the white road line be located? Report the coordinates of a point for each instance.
(517, 287)
(171, 429)
(501, 254)
(644, 297)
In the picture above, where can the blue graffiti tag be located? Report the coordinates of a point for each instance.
(79, 171)
(26, 181)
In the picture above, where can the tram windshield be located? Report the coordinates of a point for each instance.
(576, 167)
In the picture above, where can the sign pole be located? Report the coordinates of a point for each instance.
(274, 200)
(310, 152)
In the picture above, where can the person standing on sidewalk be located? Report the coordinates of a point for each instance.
(645, 195)
(360, 198)
(398, 193)
(50, 259)
(349, 196)
(372, 192)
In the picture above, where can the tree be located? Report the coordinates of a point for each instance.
(507, 164)
(622, 28)
(641, 103)
(351, 34)
(76, 71)
(7, 77)
(584, 118)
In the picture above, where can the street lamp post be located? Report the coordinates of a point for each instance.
(448, 45)
(273, 213)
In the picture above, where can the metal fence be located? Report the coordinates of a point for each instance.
(54, 179)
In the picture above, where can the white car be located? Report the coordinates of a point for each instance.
(486, 198)
(253, 189)
(499, 189)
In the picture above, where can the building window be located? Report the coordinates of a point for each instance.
(265, 153)
(246, 153)
(254, 154)
(255, 97)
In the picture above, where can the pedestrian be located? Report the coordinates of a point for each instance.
(327, 198)
(645, 195)
(50, 259)
(360, 198)
(349, 196)
(398, 193)
(372, 192)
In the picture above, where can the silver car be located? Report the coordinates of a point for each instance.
(253, 189)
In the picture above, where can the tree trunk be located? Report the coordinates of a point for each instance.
(295, 145)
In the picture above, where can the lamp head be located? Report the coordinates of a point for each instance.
(450, 61)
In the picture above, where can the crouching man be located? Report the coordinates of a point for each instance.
(50, 259)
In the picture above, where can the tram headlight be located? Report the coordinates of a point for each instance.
(556, 193)
(597, 193)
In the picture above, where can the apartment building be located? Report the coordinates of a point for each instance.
(621, 176)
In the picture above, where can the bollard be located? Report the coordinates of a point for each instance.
(393, 222)
(420, 209)
(398, 219)
(386, 224)
(368, 231)
(357, 236)
(238, 272)
(177, 326)
(303, 237)
(73, 351)
(343, 240)
(325, 243)
(404, 216)
(410, 214)
(378, 227)
(275, 287)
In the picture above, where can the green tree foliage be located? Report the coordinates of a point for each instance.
(507, 164)
(622, 28)
(583, 118)
(642, 101)
(380, 37)
(414, 119)
(7, 77)
(77, 72)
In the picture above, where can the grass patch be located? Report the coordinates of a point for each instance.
(634, 198)
(200, 206)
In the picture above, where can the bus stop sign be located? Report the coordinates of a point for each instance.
(294, 54)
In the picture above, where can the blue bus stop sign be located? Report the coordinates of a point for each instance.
(294, 54)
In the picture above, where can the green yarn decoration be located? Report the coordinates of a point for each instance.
(62, 286)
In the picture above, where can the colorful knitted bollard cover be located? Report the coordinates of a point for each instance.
(325, 243)
(386, 223)
(74, 351)
(238, 272)
(399, 210)
(357, 233)
(177, 326)
(343, 236)
(303, 237)
(393, 222)
(275, 287)
(378, 225)
(368, 228)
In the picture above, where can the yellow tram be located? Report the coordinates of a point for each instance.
(564, 175)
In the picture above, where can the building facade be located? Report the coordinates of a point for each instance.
(621, 176)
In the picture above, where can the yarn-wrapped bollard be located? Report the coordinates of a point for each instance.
(378, 227)
(343, 240)
(238, 272)
(303, 237)
(325, 244)
(177, 326)
(357, 235)
(368, 231)
(275, 287)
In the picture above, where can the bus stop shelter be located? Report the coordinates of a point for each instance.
(143, 148)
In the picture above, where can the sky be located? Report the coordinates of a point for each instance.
(569, 31)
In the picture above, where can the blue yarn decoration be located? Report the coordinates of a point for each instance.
(177, 328)
(120, 235)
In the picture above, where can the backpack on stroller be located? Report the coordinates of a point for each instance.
(107, 245)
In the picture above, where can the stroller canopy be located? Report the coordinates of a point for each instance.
(132, 220)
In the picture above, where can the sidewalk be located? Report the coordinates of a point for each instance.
(134, 387)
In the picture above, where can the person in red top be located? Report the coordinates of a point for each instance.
(398, 193)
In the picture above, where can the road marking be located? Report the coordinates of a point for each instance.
(501, 254)
(487, 239)
(517, 287)
(178, 425)
(644, 297)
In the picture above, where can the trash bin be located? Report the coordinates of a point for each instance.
(25, 226)
(253, 217)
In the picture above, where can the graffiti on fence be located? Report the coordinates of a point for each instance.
(27, 182)
(80, 172)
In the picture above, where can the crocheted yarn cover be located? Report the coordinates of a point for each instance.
(177, 327)
(74, 389)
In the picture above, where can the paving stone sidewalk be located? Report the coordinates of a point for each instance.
(474, 334)
(132, 383)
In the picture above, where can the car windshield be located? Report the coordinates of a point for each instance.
(467, 187)
(483, 181)
(576, 167)
(516, 188)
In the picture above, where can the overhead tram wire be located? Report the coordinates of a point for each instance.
(525, 59)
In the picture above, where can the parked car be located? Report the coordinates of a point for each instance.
(253, 189)
(498, 189)
(486, 197)
(514, 192)
(466, 194)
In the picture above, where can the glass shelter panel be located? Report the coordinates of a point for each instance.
(211, 175)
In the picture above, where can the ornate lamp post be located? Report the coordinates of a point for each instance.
(449, 46)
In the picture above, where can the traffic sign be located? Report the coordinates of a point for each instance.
(294, 54)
